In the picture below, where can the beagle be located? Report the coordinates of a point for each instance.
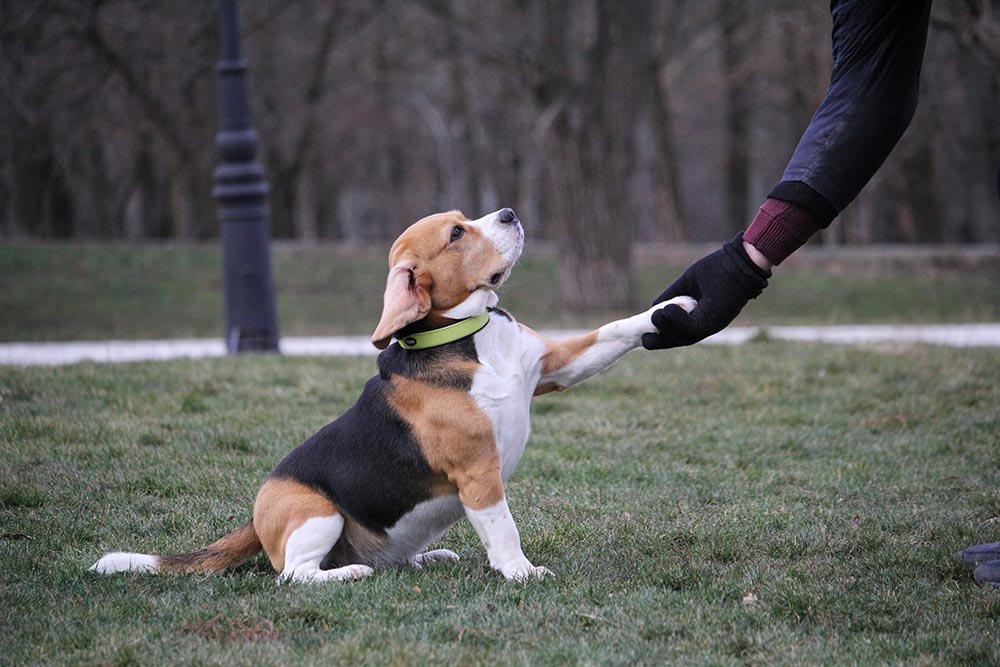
(433, 437)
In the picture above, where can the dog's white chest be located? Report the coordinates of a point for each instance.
(503, 388)
(503, 401)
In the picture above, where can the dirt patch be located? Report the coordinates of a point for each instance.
(224, 629)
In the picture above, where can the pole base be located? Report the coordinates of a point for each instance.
(252, 340)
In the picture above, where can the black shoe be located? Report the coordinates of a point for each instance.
(988, 573)
(981, 553)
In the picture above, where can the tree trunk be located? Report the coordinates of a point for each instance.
(306, 220)
(737, 113)
(662, 127)
(181, 207)
(10, 192)
(592, 163)
(593, 239)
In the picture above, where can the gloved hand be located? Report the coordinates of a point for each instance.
(722, 283)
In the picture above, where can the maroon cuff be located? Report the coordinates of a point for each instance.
(779, 229)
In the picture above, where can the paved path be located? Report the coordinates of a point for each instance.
(112, 351)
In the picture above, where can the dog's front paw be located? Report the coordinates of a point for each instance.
(685, 302)
(523, 570)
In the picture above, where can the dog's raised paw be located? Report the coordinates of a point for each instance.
(647, 326)
(685, 302)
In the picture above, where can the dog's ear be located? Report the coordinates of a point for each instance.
(407, 299)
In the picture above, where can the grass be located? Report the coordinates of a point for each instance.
(83, 292)
(773, 504)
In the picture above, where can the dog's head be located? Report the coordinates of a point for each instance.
(446, 267)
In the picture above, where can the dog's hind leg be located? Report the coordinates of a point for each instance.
(298, 528)
(309, 544)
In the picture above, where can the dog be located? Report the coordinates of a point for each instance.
(433, 437)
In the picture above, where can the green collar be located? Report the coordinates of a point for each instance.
(444, 335)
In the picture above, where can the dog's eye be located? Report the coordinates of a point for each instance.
(456, 232)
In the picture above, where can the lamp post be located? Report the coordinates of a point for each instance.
(242, 210)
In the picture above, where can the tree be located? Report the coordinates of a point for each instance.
(602, 122)
(593, 63)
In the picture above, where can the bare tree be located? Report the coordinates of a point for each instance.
(596, 62)
(604, 123)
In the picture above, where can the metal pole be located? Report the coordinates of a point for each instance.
(242, 208)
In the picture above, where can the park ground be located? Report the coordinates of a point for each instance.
(771, 504)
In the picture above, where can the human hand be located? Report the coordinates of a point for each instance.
(722, 283)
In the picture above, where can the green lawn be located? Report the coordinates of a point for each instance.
(778, 504)
(95, 291)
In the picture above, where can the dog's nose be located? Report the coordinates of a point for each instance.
(507, 216)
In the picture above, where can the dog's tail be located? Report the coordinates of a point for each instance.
(229, 551)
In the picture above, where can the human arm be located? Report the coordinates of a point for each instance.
(878, 51)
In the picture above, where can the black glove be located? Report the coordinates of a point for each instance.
(722, 283)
